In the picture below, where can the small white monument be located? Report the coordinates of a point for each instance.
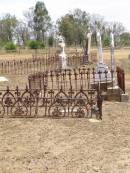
(62, 55)
(86, 57)
(89, 35)
(101, 66)
(113, 64)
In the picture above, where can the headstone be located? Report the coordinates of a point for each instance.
(101, 66)
(62, 64)
(113, 64)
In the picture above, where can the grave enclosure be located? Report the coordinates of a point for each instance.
(74, 90)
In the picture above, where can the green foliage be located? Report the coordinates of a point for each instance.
(35, 44)
(125, 39)
(10, 46)
(50, 40)
(2, 44)
(106, 41)
(73, 26)
(41, 20)
(7, 26)
(41, 45)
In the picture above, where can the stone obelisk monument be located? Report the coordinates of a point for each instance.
(101, 66)
(113, 63)
(86, 56)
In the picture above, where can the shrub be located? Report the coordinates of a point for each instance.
(41, 45)
(106, 42)
(35, 44)
(10, 46)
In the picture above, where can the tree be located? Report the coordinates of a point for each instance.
(42, 20)
(22, 33)
(117, 29)
(7, 26)
(50, 40)
(67, 27)
(97, 22)
(82, 20)
(74, 25)
(29, 16)
(125, 39)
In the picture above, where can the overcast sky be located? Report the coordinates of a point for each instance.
(112, 10)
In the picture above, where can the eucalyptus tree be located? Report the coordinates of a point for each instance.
(22, 33)
(42, 20)
(29, 15)
(8, 24)
(82, 24)
(74, 25)
(67, 27)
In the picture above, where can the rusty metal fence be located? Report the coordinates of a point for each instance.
(50, 103)
(59, 93)
(52, 92)
(32, 65)
(74, 79)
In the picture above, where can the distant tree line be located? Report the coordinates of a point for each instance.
(37, 29)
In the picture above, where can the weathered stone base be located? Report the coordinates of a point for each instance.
(116, 94)
(124, 97)
(103, 85)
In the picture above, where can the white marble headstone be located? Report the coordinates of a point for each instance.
(101, 66)
(62, 55)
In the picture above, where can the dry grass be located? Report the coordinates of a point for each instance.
(69, 145)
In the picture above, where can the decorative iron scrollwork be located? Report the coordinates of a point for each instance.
(28, 99)
(57, 110)
(8, 99)
(19, 109)
(19, 103)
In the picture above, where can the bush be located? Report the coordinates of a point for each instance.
(35, 44)
(106, 42)
(41, 45)
(10, 46)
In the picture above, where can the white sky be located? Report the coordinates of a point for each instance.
(112, 10)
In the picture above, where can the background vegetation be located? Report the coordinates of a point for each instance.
(37, 30)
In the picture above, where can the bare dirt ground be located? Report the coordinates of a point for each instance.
(68, 145)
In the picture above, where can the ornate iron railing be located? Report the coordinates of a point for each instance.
(50, 103)
(74, 79)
